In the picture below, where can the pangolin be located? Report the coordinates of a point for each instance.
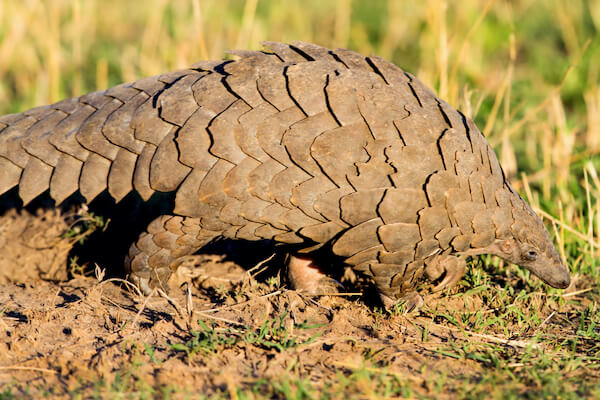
(298, 144)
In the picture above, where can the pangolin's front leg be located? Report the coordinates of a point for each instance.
(396, 284)
(159, 251)
(450, 268)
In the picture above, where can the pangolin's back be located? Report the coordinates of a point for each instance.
(300, 145)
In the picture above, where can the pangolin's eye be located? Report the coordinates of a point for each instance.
(531, 255)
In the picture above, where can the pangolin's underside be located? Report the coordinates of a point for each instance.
(299, 144)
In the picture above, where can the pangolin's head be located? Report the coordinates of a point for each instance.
(530, 246)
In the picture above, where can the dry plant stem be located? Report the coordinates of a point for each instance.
(315, 302)
(252, 272)
(544, 321)
(266, 296)
(113, 303)
(126, 283)
(189, 304)
(228, 321)
(35, 369)
(341, 294)
(578, 292)
(173, 303)
(512, 343)
(142, 308)
(568, 228)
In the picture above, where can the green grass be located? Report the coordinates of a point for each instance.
(272, 334)
(527, 71)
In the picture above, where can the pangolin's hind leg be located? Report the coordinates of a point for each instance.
(450, 268)
(158, 252)
(306, 276)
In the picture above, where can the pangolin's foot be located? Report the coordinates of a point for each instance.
(307, 277)
(450, 268)
(145, 277)
(142, 283)
(149, 272)
(407, 303)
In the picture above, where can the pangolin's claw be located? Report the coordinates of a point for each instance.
(452, 277)
(407, 303)
(452, 269)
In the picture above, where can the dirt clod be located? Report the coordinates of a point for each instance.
(33, 246)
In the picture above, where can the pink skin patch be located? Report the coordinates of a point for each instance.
(304, 275)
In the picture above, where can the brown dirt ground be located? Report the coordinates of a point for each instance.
(89, 337)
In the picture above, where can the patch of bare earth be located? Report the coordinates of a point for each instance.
(33, 247)
(65, 337)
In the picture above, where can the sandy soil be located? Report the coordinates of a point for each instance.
(66, 337)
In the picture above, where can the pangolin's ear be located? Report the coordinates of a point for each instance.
(508, 246)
